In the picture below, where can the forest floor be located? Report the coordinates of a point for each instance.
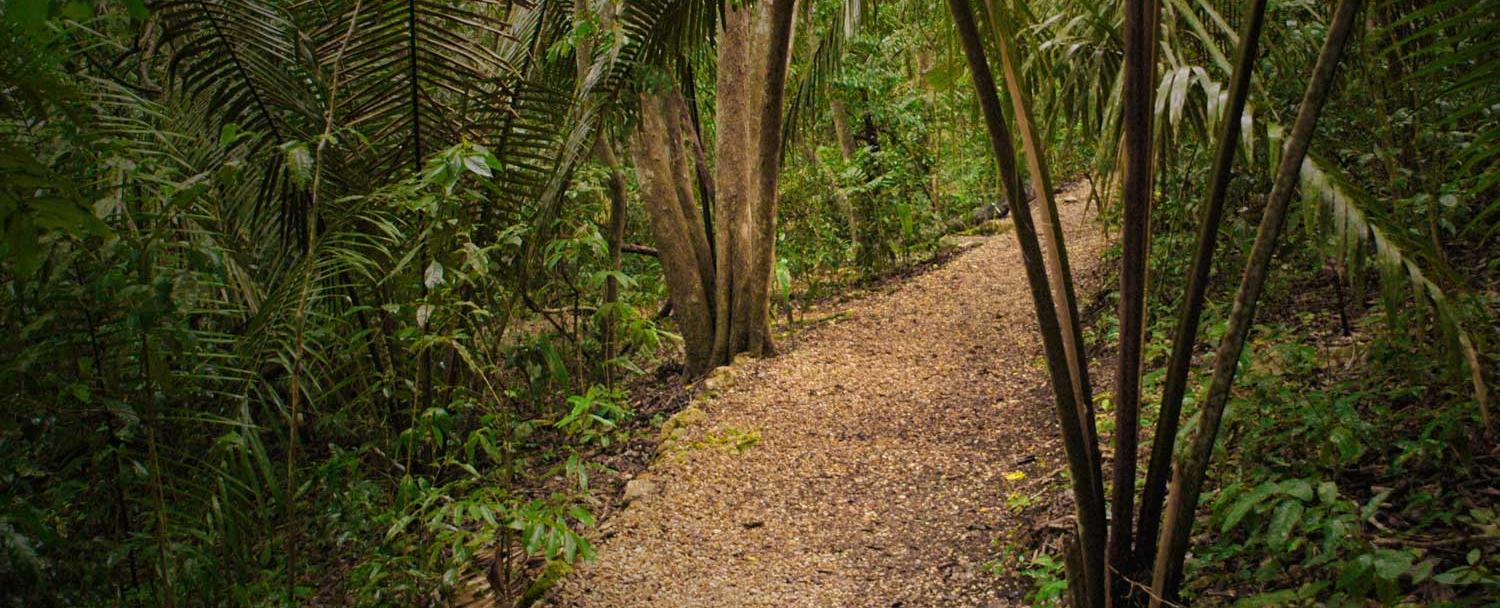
(878, 462)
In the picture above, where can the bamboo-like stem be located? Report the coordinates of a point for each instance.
(1085, 478)
(1157, 472)
(1187, 480)
(1054, 247)
(150, 371)
(1135, 228)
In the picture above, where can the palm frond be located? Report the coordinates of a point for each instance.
(1341, 208)
(807, 86)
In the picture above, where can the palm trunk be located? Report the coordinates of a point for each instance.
(1154, 493)
(1059, 272)
(1136, 217)
(1187, 481)
(1085, 478)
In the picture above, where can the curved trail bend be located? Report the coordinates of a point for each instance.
(880, 474)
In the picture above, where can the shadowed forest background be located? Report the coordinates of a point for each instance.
(359, 302)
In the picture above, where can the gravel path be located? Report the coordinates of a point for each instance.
(888, 442)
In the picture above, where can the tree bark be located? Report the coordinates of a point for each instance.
(841, 128)
(1187, 480)
(752, 53)
(1085, 478)
(718, 265)
(663, 160)
(1157, 473)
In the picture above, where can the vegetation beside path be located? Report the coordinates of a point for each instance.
(359, 302)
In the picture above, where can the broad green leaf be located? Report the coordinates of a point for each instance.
(1391, 563)
(1283, 521)
(1298, 488)
(1328, 492)
(1246, 502)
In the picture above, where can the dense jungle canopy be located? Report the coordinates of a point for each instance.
(749, 303)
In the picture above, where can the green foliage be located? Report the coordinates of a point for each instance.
(1044, 572)
(1311, 487)
(595, 416)
(275, 315)
(911, 170)
(1047, 574)
(304, 302)
(1345, 459)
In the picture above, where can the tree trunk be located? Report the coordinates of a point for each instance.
(614, 237)
(615, 226)
(718, 265)
(1187, 480)
(1154, 493)
(751, 81)
(1059, 271)
(846, 150)
(841, 128)
(1085, 478)
(1135, 225)
(664, 162)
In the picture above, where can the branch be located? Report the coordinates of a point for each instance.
(639, 249)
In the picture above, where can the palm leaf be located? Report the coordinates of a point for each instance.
(1341, 208)
(808, 85)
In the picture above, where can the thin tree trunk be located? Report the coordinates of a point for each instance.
(1135, 225)
(1054, 247)
(150, 369)
(615, 226)
(846, 150)
(1157, 473)
(1187, 480)
(1085, 478)
(615, 238)
(841, 128)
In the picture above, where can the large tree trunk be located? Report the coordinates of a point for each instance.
(752, 77)
(1187, 480)
(663, 151)
(718, 269)
(1087, 485)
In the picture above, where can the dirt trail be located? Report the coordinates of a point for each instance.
(888, 442)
